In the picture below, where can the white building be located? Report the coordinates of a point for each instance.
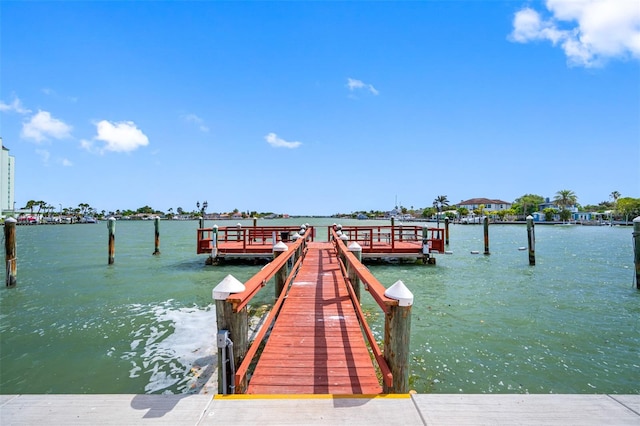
(489, 204)
(7, 181)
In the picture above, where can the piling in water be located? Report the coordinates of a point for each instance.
(636, 249)
(486, 235)
(10, 251)
(531, 238)
(111, 225)
(156, 225)
(446, 230)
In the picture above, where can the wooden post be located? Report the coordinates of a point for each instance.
(486, 235)
(393, 232)
(531, 238)
(237, 324)
(111, 225)
(636, 248)
(446, 230)
(356, 249)
(397, 333)
(281, 275)
(201, 221)
(10, 249)
(156, 225)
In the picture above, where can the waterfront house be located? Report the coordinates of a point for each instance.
(489, 204)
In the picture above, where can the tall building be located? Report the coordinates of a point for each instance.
(7, 181)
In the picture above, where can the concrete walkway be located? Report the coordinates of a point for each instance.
(431, 409)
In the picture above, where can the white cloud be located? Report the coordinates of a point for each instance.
(118, 137)
(66, 162)
(194, 119)
(354, 84)
(43, 126)
(16, 106)
(277, 142)
(588, 31)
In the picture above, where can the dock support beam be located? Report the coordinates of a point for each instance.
(397, 333)
(10, 251)
(636, 249)
(531, 238)
(238, 326)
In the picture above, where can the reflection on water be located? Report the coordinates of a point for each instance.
(480, 324)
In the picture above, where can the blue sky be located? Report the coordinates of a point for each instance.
(319, 107)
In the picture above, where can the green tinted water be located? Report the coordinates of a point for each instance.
(570, 324)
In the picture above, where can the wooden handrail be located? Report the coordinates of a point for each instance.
(371, 283)
(242, 369)
(259, 280)
(387, 376)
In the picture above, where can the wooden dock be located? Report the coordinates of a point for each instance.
(379, 243)
(316, 345)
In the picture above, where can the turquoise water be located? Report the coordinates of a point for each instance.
(480, 324)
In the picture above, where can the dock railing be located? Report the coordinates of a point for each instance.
(215, 237)
(232, 317)
(370, 236)
(394, 361)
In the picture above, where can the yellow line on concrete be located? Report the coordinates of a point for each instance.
(312, 396)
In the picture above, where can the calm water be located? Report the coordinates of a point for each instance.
(481, 324)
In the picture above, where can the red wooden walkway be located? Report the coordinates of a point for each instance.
(316, 345)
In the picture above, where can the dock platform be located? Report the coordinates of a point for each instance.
(266, 410)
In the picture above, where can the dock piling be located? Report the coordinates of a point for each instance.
(10, 251)
(283, 273)
(356, 249)
(397, 333)
(446, 230)
(236, 323)
(531, 238)
(636, 249)
(111, 225)
(156, 225)
(486, 235)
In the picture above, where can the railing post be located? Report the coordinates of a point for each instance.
(237, 326)
(531, 238)
(10, 251)
(156, 226)
(636, 248)
(486, 235)
(397, 333)
(281, 275)
(356, 249)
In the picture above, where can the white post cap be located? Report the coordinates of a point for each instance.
(529, 217)
(280, 247)
(239, 225)
(11, 220)
(228, 285)
(637, 219)
(215, 226)
(344, 237)
(295, 236)
(401, 293)
(354, 247)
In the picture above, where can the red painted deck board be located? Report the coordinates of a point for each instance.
(316, 345)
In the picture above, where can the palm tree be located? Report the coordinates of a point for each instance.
(615, 195)
(565, 198)
(440, 202)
